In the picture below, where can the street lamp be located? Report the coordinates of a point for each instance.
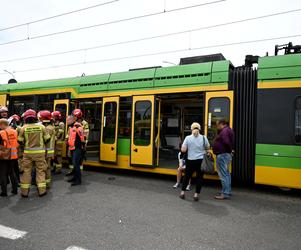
(169, 63)
(9, 73)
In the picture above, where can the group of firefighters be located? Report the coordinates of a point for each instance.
(31, 148)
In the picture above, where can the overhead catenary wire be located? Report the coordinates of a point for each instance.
(159, 53)
(112, 22)
(153, 37)
(58, 15)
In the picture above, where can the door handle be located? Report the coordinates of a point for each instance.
(112, 148)
(135, 149)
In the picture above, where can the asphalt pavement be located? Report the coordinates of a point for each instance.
(117, 211)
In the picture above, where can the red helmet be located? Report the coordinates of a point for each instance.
(77, 113)
(45, 116)
(56, 115)
(16, 118)
(29, 114)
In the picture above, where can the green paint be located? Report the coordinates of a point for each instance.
(279, 67)
(280, 156)
(123, 146)
(278, 162)
(279, 150)
(205, 74)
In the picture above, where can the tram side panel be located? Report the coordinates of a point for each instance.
(278, 154)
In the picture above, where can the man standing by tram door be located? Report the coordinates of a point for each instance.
(59, 127)
(76, 143)
(33, 136)
(45, 117)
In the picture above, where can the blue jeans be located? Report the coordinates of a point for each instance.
(223, 162)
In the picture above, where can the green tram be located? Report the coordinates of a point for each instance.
(138, 118)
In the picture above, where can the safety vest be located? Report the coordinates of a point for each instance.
(10, 140)
(72, 136)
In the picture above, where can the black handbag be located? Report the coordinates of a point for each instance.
(208, 162)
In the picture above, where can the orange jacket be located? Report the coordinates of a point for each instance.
(10, 140)
(72, 136)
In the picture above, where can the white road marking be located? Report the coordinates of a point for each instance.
(10, 233)
(75, 248)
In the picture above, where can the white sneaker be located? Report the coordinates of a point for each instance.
(176, 185)
(188, 188)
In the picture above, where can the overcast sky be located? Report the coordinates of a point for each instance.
(14, 12)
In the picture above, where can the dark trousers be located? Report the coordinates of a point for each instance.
(76, 161)
(6, 170)
(15, 166)
(191, 167)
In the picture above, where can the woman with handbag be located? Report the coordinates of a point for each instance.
(6, 152)
(196, 145)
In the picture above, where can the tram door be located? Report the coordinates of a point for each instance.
(3, 100)
(219, 106)
(109, 129)
(62, 106)
(143, 131)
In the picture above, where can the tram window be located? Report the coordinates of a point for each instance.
(125, 114)
(142, 125)
(18, 105)
(45, 102)
(109, 123)
(298, 120)
(218, 109)
(63, 109)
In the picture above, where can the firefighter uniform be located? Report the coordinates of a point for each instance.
(33, 136)
(59, 141)
(86, 131)
(20, 151)
(49, 152)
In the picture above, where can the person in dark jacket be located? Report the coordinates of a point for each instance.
(222, 148)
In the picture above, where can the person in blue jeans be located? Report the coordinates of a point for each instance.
(222, 148)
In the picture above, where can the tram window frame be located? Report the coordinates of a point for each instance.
(105, 139)
(125, 123)
(212, 127)
(297, 119)
(137, 139)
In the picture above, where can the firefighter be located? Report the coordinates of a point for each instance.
(78, 114)
(76, 143)
(46, 119)
(33, 136)
(9, 143)
(59, 140)
(4, 112)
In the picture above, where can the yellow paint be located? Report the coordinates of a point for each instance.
(280, 177)
(2, 100)
(210, 95)
(280, 84)
(122, 92)
(66, 102)
(124, 163)
(142, 155)
(108, 152)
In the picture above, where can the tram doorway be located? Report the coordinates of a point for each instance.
(178, 112)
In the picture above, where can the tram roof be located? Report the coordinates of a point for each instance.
(192, 74)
